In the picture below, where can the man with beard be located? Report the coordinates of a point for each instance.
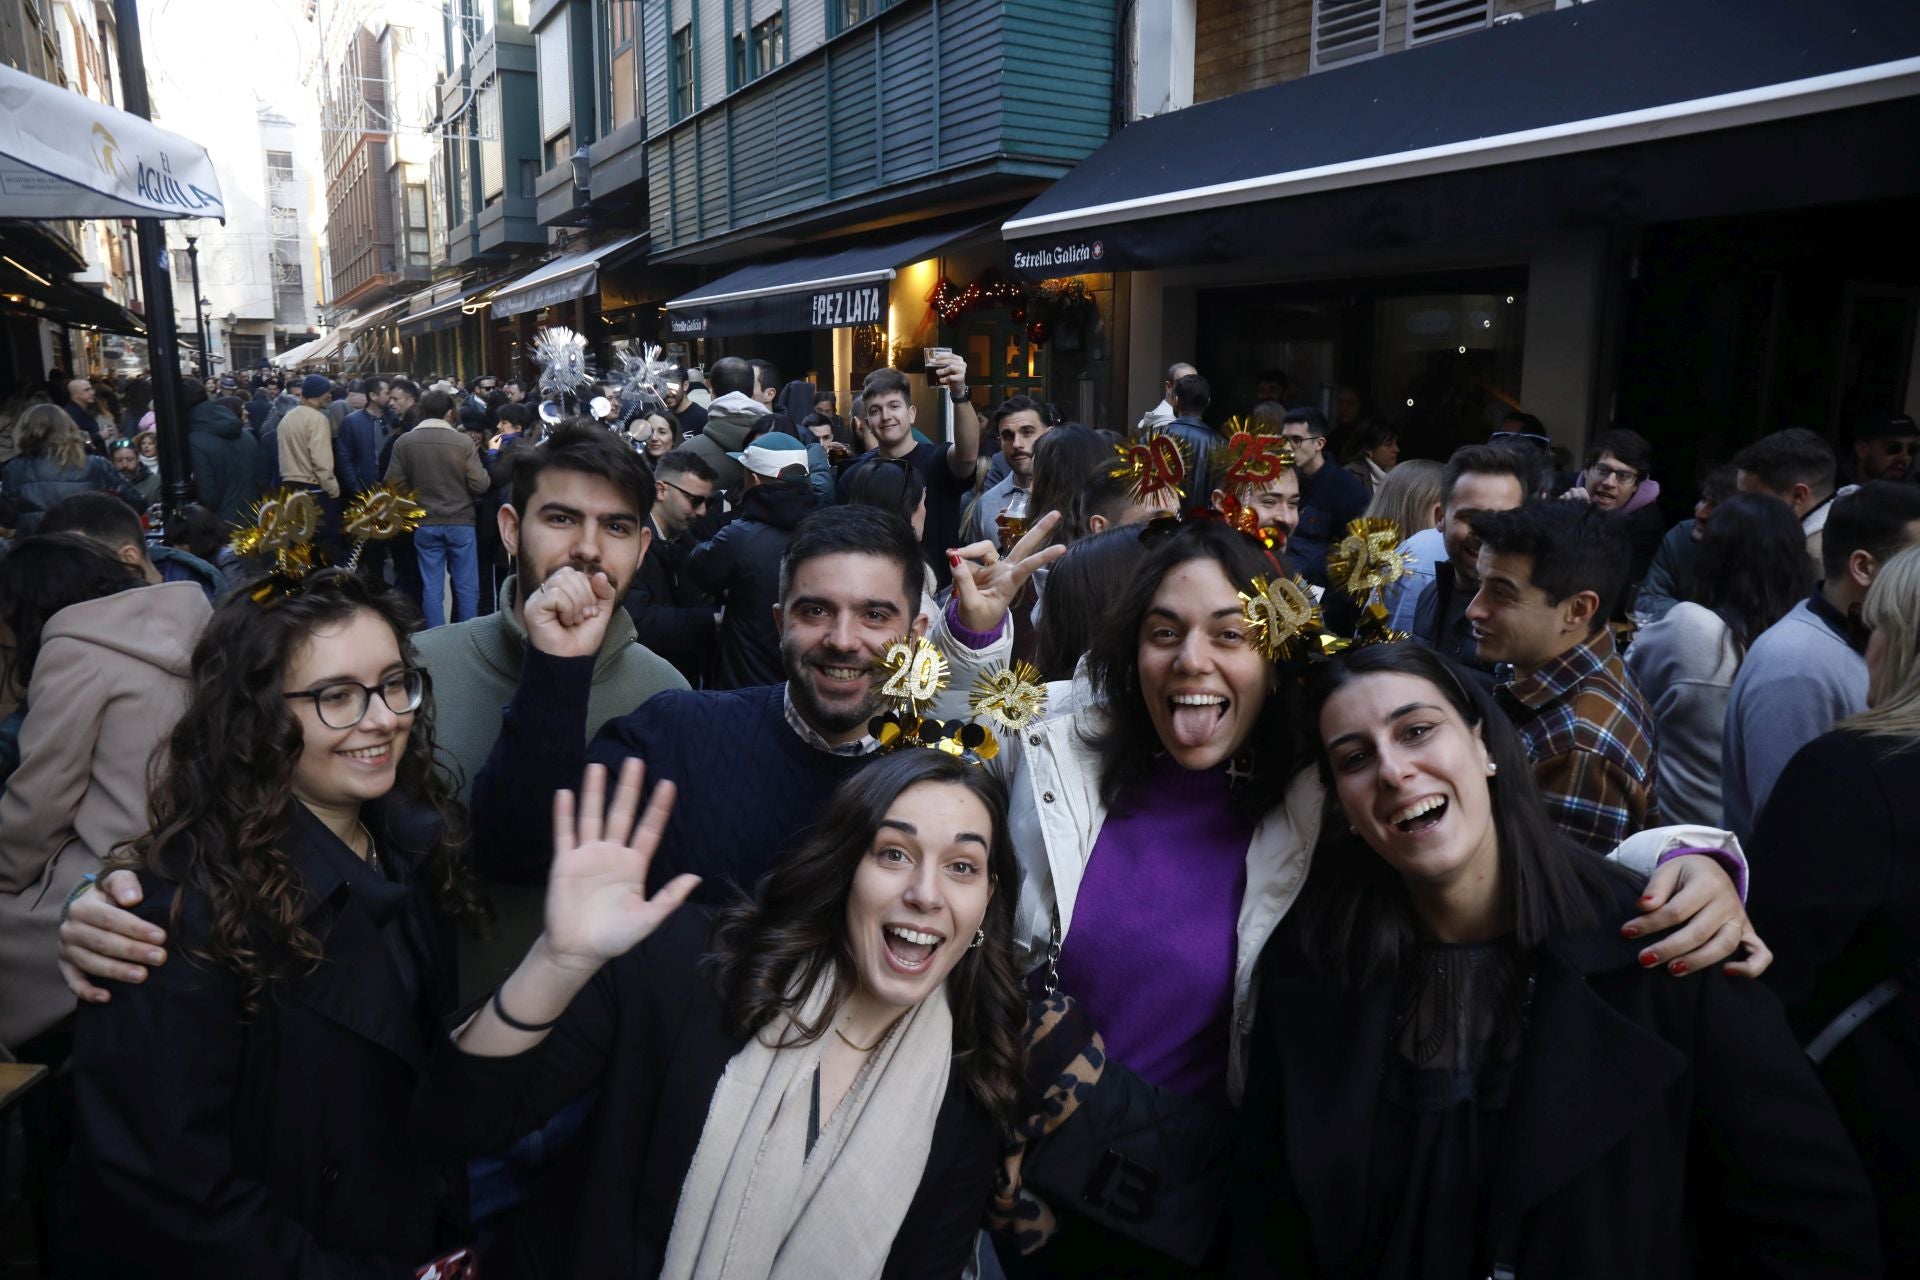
(1884, 445)
(1017, 424)
(752, 766)
(1478, 478)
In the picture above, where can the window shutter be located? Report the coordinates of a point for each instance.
(556, 75)
(1347, 31)
(1430, 20)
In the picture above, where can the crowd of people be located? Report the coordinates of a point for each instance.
(546, 891)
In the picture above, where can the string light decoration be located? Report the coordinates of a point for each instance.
(1042, 307)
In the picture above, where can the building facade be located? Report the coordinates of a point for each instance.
(69, 296)
(1456, 208)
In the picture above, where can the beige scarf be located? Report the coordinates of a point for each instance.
(756, 1206)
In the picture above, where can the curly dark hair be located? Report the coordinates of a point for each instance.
(222, 799)
(780, 943)
(1128, 742)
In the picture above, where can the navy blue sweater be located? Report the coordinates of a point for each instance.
(749, 788)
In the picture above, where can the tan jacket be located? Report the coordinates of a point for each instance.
(110, 682)
(441, 464)
(306, 449)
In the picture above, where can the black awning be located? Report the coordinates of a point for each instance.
(850, 285)
(1617, 112)
(565, 278)
(26, 292)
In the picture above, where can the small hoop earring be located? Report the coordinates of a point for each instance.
(979, 936)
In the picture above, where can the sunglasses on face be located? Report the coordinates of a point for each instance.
(697, 501)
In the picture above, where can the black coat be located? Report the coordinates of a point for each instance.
(649, 1032)
(740, 567)
(1657, 1127)
(215, 1146)
(670, 617)
(1644, 528)
(1837, 897)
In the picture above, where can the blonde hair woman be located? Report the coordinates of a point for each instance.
(1410, 497)
(53, 464)
(1840, 902)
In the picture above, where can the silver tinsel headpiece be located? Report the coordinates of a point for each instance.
(643, 379)
(565, 366)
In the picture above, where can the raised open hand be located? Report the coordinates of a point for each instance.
(568, 616)
(986, 582)
(597, 903)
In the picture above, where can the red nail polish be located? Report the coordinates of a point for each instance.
(953, 558)
(1630, 931)
(1678, 966)
(1646, 897)
(1649, 959)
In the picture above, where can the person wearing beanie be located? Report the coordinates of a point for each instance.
(740, 565)
(306, 439)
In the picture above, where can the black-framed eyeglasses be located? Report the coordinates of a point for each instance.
(1622, 475)
(698, 501)
(344, 703)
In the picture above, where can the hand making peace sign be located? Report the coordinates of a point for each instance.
(985, 582)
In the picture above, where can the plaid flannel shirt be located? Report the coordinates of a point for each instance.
(1590, 736)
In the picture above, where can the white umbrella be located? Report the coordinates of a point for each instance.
(65, 156)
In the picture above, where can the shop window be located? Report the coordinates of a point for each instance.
(1440, 362)
(1347, 31)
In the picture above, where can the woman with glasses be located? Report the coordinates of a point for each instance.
(241, 1111)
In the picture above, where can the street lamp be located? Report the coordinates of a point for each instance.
(199, 319)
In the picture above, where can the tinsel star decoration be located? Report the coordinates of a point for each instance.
(379, 514)
(565, 366)
(1280, 617)
(1012, 697)
(1153, 469)
(1368, 558)
(643, 378)
(1251, 457)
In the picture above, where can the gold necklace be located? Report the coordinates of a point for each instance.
(866, 1048)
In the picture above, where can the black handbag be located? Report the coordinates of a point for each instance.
(1144, 1162)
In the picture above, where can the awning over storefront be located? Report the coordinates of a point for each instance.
(436, 318)
(379, 315)
(65, 156)
(24, 291)
(1623, 112)
(845, 286)
(327, 348)
(294, 356)
(567, 277)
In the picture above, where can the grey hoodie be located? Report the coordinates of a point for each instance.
(730, 420)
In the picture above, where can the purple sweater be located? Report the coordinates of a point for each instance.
(1150, 955)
